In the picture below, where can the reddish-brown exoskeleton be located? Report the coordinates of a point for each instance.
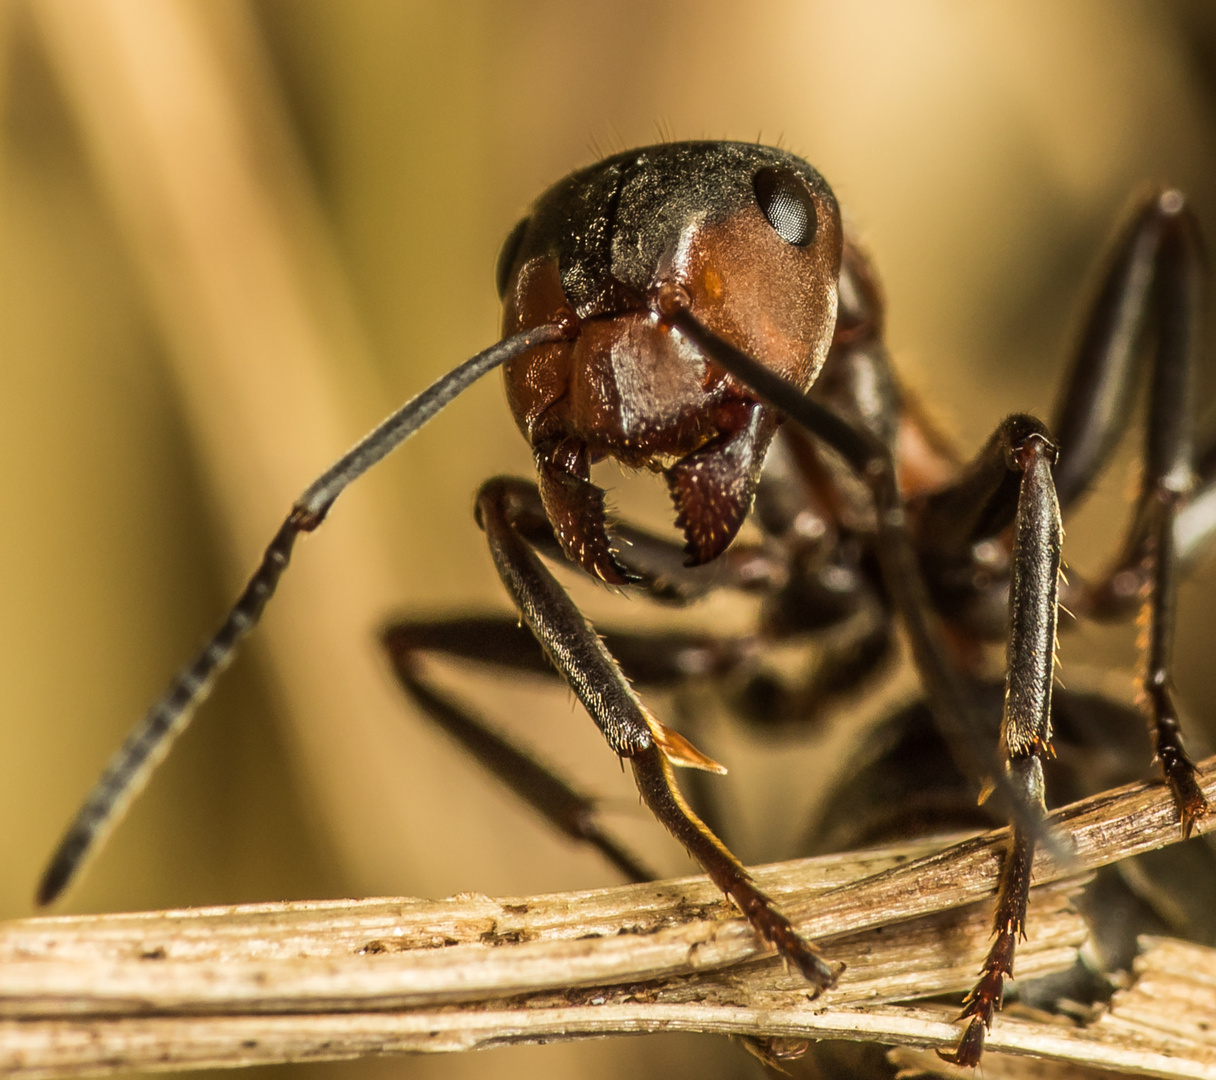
(679, 308)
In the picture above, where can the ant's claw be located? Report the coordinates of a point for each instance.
(970, 1047)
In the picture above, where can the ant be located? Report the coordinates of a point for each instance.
(693, 309)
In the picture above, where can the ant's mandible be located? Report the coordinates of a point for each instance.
(679, 308)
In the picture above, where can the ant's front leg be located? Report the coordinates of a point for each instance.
(506, 510)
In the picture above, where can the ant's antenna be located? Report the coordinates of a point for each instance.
(130, 768)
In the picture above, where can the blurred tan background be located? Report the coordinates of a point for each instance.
(234, 235)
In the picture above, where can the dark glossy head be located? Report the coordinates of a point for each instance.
(748, 239)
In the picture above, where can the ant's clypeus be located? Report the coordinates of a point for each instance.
(687, 308)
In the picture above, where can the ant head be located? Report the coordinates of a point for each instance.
(748, 240)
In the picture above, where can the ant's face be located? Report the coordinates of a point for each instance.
(748, 239)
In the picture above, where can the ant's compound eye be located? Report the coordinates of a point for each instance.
(506, 257)
(787, 204)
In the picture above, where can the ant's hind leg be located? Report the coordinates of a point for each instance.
(1169, 451)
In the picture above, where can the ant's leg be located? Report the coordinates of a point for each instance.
(647, 659)
(1010, 478)
(128, 770)
(1026, 719)
(1168, 480)
(503, 506)
(1158, 272)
